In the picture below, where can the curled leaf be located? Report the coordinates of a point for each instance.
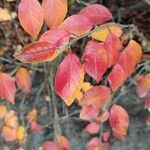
(95, 60)
(23, 80)
(7, 87)
(69, 78)
(76, 24)
(30, 15)
(96, 13)
(54, 12)
(40, 51)
(119, 121)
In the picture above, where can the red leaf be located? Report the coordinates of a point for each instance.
(37, 52)
(92, 128)
(55, 37)
(7, 87)
(30, 15)
(96, 13)
(112, 45)
(130, 57)
(69, 78)
(119, 121)
(143, 85)
(95, 60)
(23, 80)
(97, 96)
(116, 77)
(54, 12)
(49, 145)
(76, 24)
(89, 112)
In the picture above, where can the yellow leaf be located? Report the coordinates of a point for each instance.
(102, 33)
(20, 132)
(3, 111)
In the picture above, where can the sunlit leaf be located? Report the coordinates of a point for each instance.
(96, 13)
(95, 60)
(23, 80)
(7, 87)
(40, 51)
(54, 12)
(112, 45)
(76, 24)
(92, 128)
(30, 15)
(69, 78)
(119, 121)
(97, 96)
(116, 77)
(56, 37)
(102, 33)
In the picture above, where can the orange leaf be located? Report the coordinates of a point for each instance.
(23, 80)
(116, 77)
(54, 12)
(32, 115)
(7, 87)
(95, 60)
(96, 13)
(112, 45)
(8, 133)
(97, 96)
(56, 37)
(89, 112)
(69, 78)
(119, 121)
(143, 85)
(63, 142)
(130, 57)
(92, 128)
(49, 145)
(20, 133)
(76, 24)
(30, 15)
(3, 111)
(102, 33)
(40, 51)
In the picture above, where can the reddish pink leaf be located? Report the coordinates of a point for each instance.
(106, 136)
(96, 13)
(97, 96)
(89, 112)
(7, 87)
(102, 118)
(76, 24)
(30, 15)
(130, 57)
(116, 77)
(147, 102)
(95, 60)
(69, 78)
(56, 37)
(119, 121)
(143, 85)
(92, 128)
(23, 80)
(36, 127)
(37, 52)
(112, 45)
(49, 145)
(54, 12)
